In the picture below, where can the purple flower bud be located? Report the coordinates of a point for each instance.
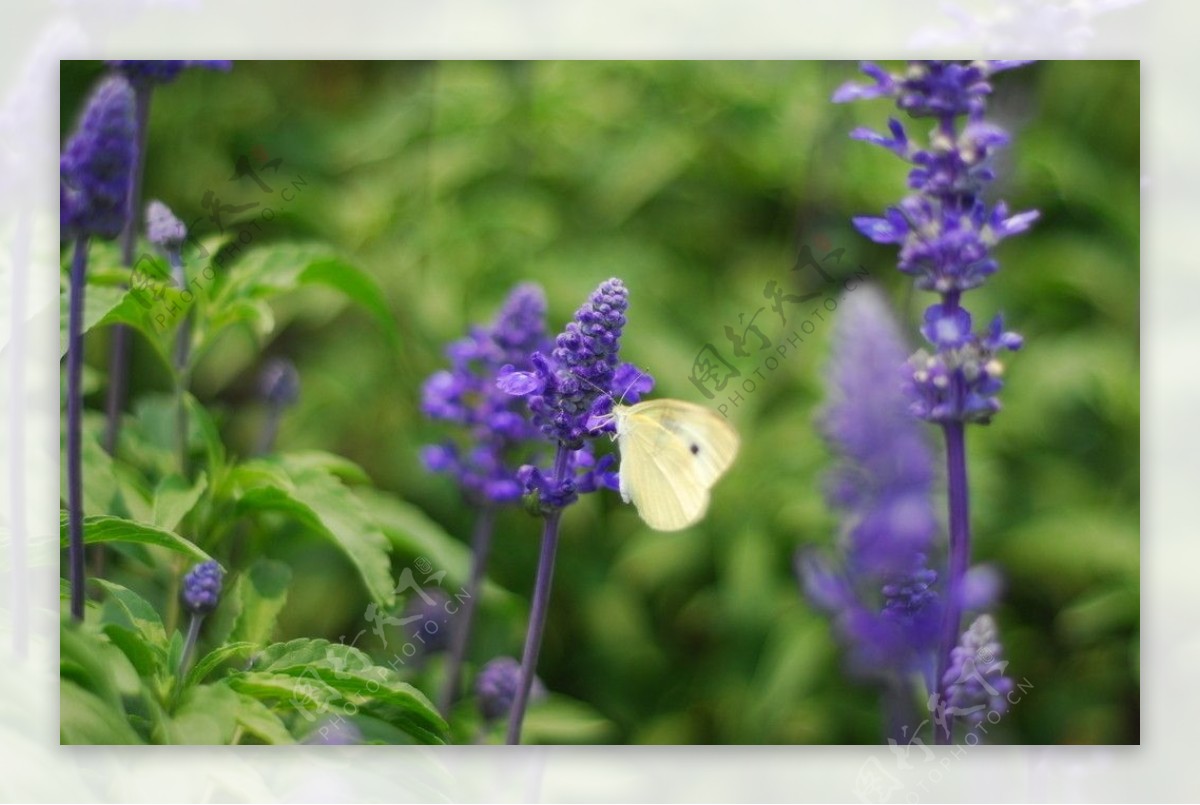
(974, 681)
(279, 383)
(496, 687)
(202, 588)
(163, 229)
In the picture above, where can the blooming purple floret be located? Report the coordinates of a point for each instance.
(202, 588)
(96, 167)
(571, 393)
(496, 426)
(883, 594)
(496, 687)
(974, 681)
(945, 230)
(162, 72)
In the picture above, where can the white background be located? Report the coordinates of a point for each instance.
(35, 768)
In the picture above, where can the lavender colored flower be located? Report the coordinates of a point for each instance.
(945, 230)
(162, 72)
(881, 592)
(202, 588)
(496, 687)
(571, 392)
(96, 167)
(497, 431)
(975, 683)
(163, 229)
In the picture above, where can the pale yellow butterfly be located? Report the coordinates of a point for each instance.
(672, 452)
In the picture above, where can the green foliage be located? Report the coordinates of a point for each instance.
(423, 192)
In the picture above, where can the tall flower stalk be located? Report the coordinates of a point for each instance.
(570, 393)
(495, 437)
(143, 76)
(946, 232)
(95, 176)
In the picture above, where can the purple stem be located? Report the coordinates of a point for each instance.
(481, 545)
(189, 644)
(541, 601)
(960, 557)
(119, 350)
(74, 424)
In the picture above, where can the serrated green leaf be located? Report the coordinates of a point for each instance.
(102, 529)
(308, 696)
(260, 721)
(260, 593)
(85, 718)
(211, 661)
(322, 503)
(147, 660)
(136, 612)
(174, 498)
(295, 656)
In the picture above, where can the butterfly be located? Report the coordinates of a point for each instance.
(672, 452)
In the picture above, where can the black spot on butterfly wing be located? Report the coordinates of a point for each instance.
(695, 448)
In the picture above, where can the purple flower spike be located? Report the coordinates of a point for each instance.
(497, 432)
(884, 599)
(496, 687)
(974, 681)
(96, 167)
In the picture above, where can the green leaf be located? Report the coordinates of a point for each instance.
(174, 498)
(260, 721)
(308, 696)
(412, 532)
(102, 529)
(317, 499)
(136, 612)
(207, 714)
(260, 593)
(85, 718)
(146, 660)
(211, 661)
(343, 674)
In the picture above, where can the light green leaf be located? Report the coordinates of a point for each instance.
(174, 498)
(211, 661)
(260, 594)
(146, 660)
(101, 529)
(207, 714)
(85, 718)
(134, 611)
(260, 721)
(562, 720)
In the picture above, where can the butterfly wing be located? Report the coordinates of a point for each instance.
(708, 438)
(658, 478)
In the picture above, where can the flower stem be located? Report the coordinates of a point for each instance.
(960, 557)
(541, 601)
(119, 350)
(481, 545)
(74, 424)
(182, 354)
(189, 644)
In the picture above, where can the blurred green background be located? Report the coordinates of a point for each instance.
(696, 183)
